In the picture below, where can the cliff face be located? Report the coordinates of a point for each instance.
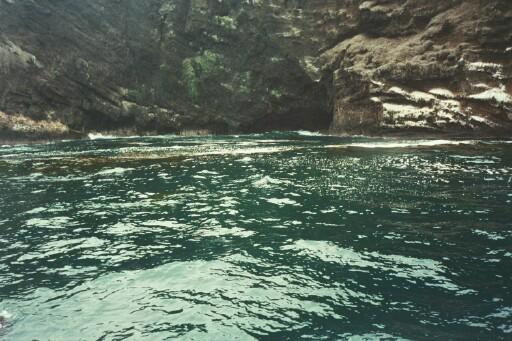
(428, 66)
(70, 67)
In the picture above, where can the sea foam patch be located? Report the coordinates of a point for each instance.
(267, 182)
(114, 171)
(5, 317)
(283, 201)
(404, 144)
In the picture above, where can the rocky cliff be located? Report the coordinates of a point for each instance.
(375, 67)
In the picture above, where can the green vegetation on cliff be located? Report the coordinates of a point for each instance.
(197, 68)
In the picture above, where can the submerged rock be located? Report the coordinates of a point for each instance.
(4, 317)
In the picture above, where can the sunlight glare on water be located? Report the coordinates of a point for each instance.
(268, 236)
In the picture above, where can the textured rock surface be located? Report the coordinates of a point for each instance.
(425, 66)
(71, 67)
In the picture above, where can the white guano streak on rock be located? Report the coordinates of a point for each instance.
(415, 96)
(405, 116)
(450, 111)
(483, 120)
(442, 92)
(497, 94)
(496, 70)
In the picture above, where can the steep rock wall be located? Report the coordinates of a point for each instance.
(424, 67)
(375, 67)
(153, 66)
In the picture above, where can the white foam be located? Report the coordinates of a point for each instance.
(309, 133)
(172, 224)
(504, 313)
(267, 181)
(224, 231)
(94, 136)
(36, 210)
(122, 228)
(100, 136)
(283, 202)
(114, 171)
(245, 151)
(51, 223)
(4, 316)
(374, 336)
(489, 235)
(207, 172)
(246, 159)
(403, 144)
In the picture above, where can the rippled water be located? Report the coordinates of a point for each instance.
(274, 236)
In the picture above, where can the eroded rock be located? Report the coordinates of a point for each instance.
(353, 66)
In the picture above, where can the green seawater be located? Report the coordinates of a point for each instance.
(279, 236)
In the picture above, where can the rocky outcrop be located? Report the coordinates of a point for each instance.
(424, 67)
(155, 66)
(374, 67)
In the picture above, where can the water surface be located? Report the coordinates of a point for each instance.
(275, 236)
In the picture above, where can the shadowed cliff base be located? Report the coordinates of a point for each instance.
(381, 67)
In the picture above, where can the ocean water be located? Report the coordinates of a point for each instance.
(278, 236)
